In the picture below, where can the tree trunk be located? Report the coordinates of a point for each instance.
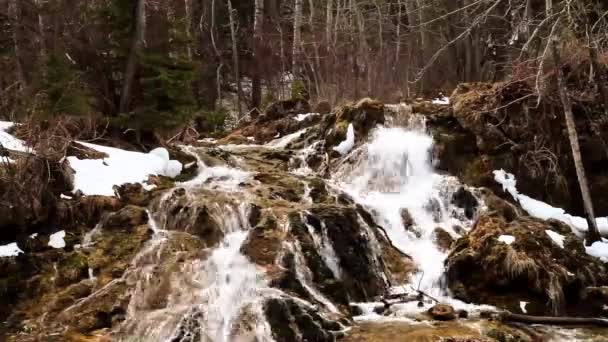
(14, 11)
(593, 234)
(258, 26)
(297, 37)
(136, 44)
(235, 58)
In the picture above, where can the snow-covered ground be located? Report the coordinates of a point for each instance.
(98, 176)
(545, 211)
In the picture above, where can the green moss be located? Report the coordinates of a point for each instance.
(477, 173)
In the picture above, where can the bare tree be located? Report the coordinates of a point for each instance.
(235, 57)
(297, 36)
(136, 44)
(258, 26)
(593, 234)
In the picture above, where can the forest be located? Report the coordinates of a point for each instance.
(153, 65)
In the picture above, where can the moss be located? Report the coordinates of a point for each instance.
(71, 268)
(264, 242)
(477, 173)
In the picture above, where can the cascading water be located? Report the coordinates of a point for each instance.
(213, 298)
(394, 174)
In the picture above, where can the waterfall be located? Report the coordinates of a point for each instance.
(394, 173)
(215, 298)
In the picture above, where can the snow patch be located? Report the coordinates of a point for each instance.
(508, 239)
(10, 250)
(56, 240)
(556, 237)
(441, 101)
(522, 306)
(10, 142)
(348, 144)
(286, 140)
(99, 176)
(598, 249)
(302, 117)
(544, 211)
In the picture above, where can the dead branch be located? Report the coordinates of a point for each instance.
(549, 320)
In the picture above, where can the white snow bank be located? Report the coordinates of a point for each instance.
(556, 237)
(10, 250)
(98, 176)
(599, 249)
(56, 240)
(545, 211)
(286, 140)
(9, 141)
(302, 117)
(348, 144)
(441, 100)
(508, 239)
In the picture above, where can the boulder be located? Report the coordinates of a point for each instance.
(464, 199)
(126, 218)
(502, 263)
(443, 312)
(365, 115)
(442, 239)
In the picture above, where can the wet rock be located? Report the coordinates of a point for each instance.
(442, 239)
(322, 276)
(407, 219)
(434, 207)
(287, 188)
(362, 269)
(364, 115)
(482, 269)
(126, 218)
(191, 216)
(291, 320)
(442, 312)
(255, 214)
(263, 243)
(464, 199)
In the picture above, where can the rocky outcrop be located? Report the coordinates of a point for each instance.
(278, 120)
(528, 265)
(364, 115)
(501, 126)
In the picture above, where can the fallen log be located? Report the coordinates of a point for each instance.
(548, 320)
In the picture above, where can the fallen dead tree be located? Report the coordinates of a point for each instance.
(549, 320)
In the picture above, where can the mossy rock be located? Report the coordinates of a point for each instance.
(263, 244)
(126, 218)
(71, 267)
(533, 268)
